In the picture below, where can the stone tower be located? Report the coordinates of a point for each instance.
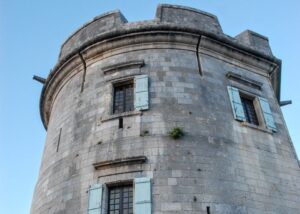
(121, 92)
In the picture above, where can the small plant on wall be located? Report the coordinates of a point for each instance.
(176, 133)
(144, 133)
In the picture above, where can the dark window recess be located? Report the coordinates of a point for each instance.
(120, 200)
(123, 97)
(120, 123)
(208, 210)
(249, 111)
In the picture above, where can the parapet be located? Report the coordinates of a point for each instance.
(256, 41)
(188, 17)
(170, 17)
(103, 23)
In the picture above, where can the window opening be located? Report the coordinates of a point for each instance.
(120, 123)
(120, 200)
(208, 210)
(123, 97)
(249, 110)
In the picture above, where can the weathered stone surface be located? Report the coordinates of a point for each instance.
(220, 163)
(255, 40)
(87, 32)
(188, 17)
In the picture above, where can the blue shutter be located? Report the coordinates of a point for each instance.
(267, 114)
(142, 195)
(236, 104)
(141, 101)
(95, 199)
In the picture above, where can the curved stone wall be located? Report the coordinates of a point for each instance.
(220, 163)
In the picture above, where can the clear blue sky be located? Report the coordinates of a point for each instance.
(32, 31)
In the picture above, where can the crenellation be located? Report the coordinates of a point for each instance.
(255, 40)
(188, 17)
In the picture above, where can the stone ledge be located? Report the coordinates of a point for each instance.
(121, 173)
(263, 129)
(124, 114)
(123, 65)
(244, 80)
(120, 161)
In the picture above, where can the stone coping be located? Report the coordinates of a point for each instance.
(116, 116)
(123, 65)
(244, 80)
(120, 161)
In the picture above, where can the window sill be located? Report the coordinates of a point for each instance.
(256, 127)
(116, 116)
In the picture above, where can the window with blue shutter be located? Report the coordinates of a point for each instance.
(95, 199)
(120, 199)
(123, 97)
(249, 110)
(141, 100)
(245, 109)
(270, 123)
(236, 103)
(142, 195)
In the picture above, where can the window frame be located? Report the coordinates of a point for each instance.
(249, 111)
(99, 195)
(120, 84)
(121, 185)
(256, 106)
(137, 108)
(262, 124)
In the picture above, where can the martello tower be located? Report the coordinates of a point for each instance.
(121, 92)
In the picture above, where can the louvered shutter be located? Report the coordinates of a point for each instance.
(267, 114)
(142, 195)
(95, 199)
(236, 103)
(141, 101)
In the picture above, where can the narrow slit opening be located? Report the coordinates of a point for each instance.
(84, 72)
(198, 57)
(208, 210)
(58, 141)
(120, 123)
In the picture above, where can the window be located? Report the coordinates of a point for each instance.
(249, 110)
(245, 107)
(123, 97)
(127, 198)
(131, 95)
(120, 200)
